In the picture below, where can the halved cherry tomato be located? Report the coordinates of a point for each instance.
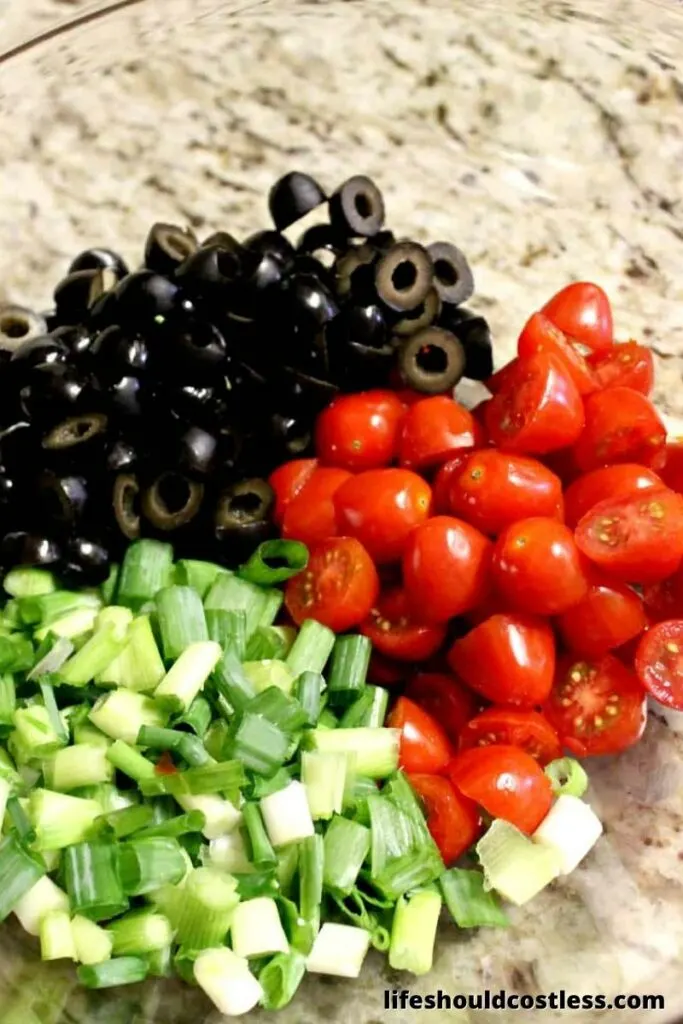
(385, 672)
(659, 663)
(597, 706)
(629, 366)
(446, 700)
(528, 730)
(510, 659)
(664, 600)
(310, 516)
(562, 464)
(494, 489)
(493, 604)
(395, 633)
(537, 410)
(609, 615)
(165, 765)
(621, 426)
(433, 431)
(289, 480)
(671, 471)
(424, 746)
(620, 481)
(441, 484)
(537, 567)
(506, 782)
(338, 587)
(453, 820)
(360, 431)
(637, 539)
(540, 335)
(500, 378)
(380, 507)
(446, 567)
(583, 312)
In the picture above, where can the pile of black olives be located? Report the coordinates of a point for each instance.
(156, 401)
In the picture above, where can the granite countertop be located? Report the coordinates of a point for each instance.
(544, 138)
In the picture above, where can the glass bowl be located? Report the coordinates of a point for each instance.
(543, 138)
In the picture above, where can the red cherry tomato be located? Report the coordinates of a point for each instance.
(538, 568)
(659, 663)
(289, 480)
(620, 481)
(637, 539)
(165, 765)
(445, 699)
(509, 659)
(540, 335)
(609, 615)
(380, 507)
(664, 600)
(528, 730)
(671, 471)
(597, 706)
(441, 485)
(583, 312)
(338, 587)
(628, 366)
(424, 745)
(395, 633)
(537, 410)
(493, 489)
(500, 378)
(358, 432)
(506, 782)
(446, 567)
(433, 431)
(621, 426)
(385, 672)
(310, 516)
(453, 820)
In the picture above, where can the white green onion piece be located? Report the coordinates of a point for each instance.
(80, 765)
(570, 830)
(229, 853)
(375, 750)
(116, 616)
(139, 665)
(34, 733)
(413, 931)
(186, 678)
(338, 949)
(226, 979)
(271, 672)
(70, 626)
(324, 776)
(286, 815)
(140, 932)
(29, 582)
(122, 713)
(5, 790)
(43, 898)
(515, 866)
(56, 937)
(93, 944)
(256, 929)
(220, 816)
(59, 819)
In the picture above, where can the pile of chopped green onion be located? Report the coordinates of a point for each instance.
(188, 788)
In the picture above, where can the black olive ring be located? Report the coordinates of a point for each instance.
(431, 361)
(173, 500)
(17, 325)
(357, 207)
(404, 276)
(452, 274)
(422, 316)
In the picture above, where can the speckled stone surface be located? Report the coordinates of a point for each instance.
(546, 139)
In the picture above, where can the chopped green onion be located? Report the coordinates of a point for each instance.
(234, 594)
(251, 884)
(220, 816)
(56, 720)
(180, 613)
(229, 629)
(514, 865)
(287, 867)
(230, 854)
(368, 711)
(283, 711)
(123, 970)
(127, 820)
(35, 734)
(139, 666)
(53, 659)
(56, 937)
(469, 903)
(20, 822)
(311, 860)
(197, 717)
(122, 713)
(5, 790)
(261, 787)
(182, 824)
(280, 979)
(7, 768)
(47, 609)
(146, 569)
(116, 616)
(60, 820)
(92, 880)
(376, 750)
(129, 761)
(19, 872)
(567, 776)
(8, 699)
(286, 815)
(227, 981)
(266, 563)
(93, 944)
(571, 828)
(93, 657)
(265, 643)
(29, 582)
(324, 776)
(226, 777)
(411, 871)
(346, 846)
(328, 719)
(260, 745)
(190, 572)
(271, 672)
(140, 932)
(256, 929)
(108, 588)
(187, 676)
(80, 765)
(262, 853)
(308, 690)
(356, 793)
(83, 731)
(311, 648)
(349, 669)
(72, 626)
(232, 683)
(190, 748)
(109, 797)
(339, 949)
(413, 931)
(160, 963)
(202, 910)
(41, 899)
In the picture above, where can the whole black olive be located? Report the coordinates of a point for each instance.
(223, 239)
(474, 334)
(452, 274)
(193, 351)
(145, 298)
(357, 208)
(422, 316)
(431, 361)
(90, 558)
(349, 261)
(53, 391)
(168, 246)
(292, 197)
(197, 451)
(121, 455)
(365, 324)
(172, 500)
(100, 259)
(22, 548)
(19, 325)
(119, 351)
(242, 518)
(404, 275)
(61, 500)
(76, 440)
(77, 294)
(46, 349)
(20, 448)
(126, 504)
(77, 338)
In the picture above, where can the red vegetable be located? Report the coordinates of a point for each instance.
(424, 745)
(528, 730)
(394, 633)
(506, 782)
(453, 820)
(628, 366)
(289, 480)
(621, 481)
(433, 431)
(380, 507)
(338, 587)
(621, 426)
(540, 335)
(659, 662)
(358, 432)
(583, 312)
(310, 516)
(446, 700)
(609, 615)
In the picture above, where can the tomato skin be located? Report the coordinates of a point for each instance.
(385, 672)
(441, 484)
(424, 746)
(165, 765)
(310, 516)
(538, 568)
(380, 507)
(509, 659)
(659, 663)
(453, 820)
(621, 426)
(541, 335)
(635, 540)
(664, 600)
(493, 489)
(395, 634)
(501, 377)
(360, 431)
(672, 470)
(446, 568)
(528, 730)
(506, 782)
(289, 480)
(433, 431)
(629, 365)
(445, 699)
(582, 310)
(338, 587)
(621, 481)
(609, 615)
(581, 696)
(537, 410)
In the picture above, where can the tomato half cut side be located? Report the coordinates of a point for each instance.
(609, 616)
(424, 746)
(289, 480)
(629, 366)
(310, 515)
(541, 335)
(445, 699)
(506, 782)
(380, 507)
(358, 432)
(583, 312)
(621, 426)
(659, 663)
(598, 706)
(453, 820)
(528, 730)
(621, 481)
(338, 587)
(394, 632)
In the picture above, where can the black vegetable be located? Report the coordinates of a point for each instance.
(357, 208)
(100, 259)
(19, 325)
(126, 503)
(242, 518)
(355, 257)
(292, 197)
(168, 246)
(422, 316)
(45, 349)
(77, 439)
(366, 325)
(119, 351)
(63, 499)
(197, 451)
(172, 500)
(192, 351)
(474, 334)
(120, 456)
(144, 298)
(76, 338)
(76, 295)
(452, 275)
(22, 548)
(432, 361)
(87, 561)
(53, 391)
(404, 275)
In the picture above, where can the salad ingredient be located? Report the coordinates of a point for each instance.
(433, 430)
(583, 312)
(514, 865)
(380, 508)
(623, 480)
(507, 782)
(608, 616)
(629, 365)
(541, 335)
(453, 821)
(287, 481)
(445, 699)
(413, 931)
(622, 425)
(394, 632)
(424, 746)
(338, 949)
(571, 828)
(528, 730)
(360, 432)
(567, 776)
(468, 902)
(310, 516)
(659, 662)
(338, 588)
(227, 981)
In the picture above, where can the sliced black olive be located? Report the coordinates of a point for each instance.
(100, 259)
(53, 391)
(119, 351)
(195, 351)
(322, 241)
(308, 302)
(357, 208)
(306, 263)
(20, 448)
(104, 312)
(22, 548)
(292, 197)
(367, 367)
(77, 338)
(291, 435)
(243, 517)
(168, 246)
(452, 274)
(45, 349)
(197, 451)
(404, 275)
(121, 455)
(383, 239)
(193, 403)
(297, 390)
(431, 361)
(19, 325)
(355, 257)
(271, 243)
(230, 447)
(474, 334)
(223, 239)
(90, 558)
(62, 499)
(125, 499)
(422, 316)
(144, 298)
(76, 294)
(127, 398)
(8, 490)
(76, 434)
(364, 324)
(172, 501)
